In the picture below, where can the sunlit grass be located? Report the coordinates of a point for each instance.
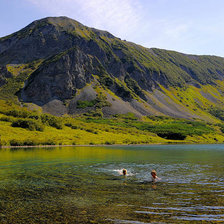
(46, 129)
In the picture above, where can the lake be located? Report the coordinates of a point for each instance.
(83, 184)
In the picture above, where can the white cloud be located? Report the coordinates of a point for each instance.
(121, 18)
(166, 34)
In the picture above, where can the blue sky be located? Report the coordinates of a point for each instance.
(188, 26)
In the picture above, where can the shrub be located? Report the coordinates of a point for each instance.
(7, 119)
(30, 142)
(99, 102)
(106, 80)
(16, 142)
(97, 113)
(84, 104)
(34, 116)
(51, 120)
(109, 142)
(28, 124)
(22, 113)
(91, 131)
(124, 92)
(127, 116)
(170, 129)
(72, 126)
(133, 85)
(172, 135)
(158, 118)
(221, 127)
(217, 112)
(18, 113)
(49, 142)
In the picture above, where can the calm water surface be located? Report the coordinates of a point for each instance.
(83, 185)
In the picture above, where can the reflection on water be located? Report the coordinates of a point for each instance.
(84, 185)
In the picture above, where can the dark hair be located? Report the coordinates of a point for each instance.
(153, 172)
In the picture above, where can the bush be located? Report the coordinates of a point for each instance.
(7, 119)
(217, 112)
(172, 135)
(109, 142)
(84, 104)
(51, 121)
(91, 131)
(127, 116)
(106, 80)
(49, 142)
(72, 126)
(22, 113)
(133, 85)
(28, 124)
(99, 102)
(18, 113)
(15, 142)
(158, 118)
(221, 127)
(30, 142)
(97, 113)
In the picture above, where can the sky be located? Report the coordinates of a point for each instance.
(188, 26)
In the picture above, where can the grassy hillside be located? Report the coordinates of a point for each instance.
(105, 90)
(24, 127)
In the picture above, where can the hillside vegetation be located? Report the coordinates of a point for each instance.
(64, 83)
(19, 126)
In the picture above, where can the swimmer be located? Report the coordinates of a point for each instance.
(124, 171)
(154, 176)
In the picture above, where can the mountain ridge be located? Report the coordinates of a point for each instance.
(66, 60)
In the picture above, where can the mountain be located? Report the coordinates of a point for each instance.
(63, 67)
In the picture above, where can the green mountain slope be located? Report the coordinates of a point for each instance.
(64, 67)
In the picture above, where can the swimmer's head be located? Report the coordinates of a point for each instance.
(153, 173)
(124, 171)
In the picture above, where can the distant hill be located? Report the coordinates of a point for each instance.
(64, 67)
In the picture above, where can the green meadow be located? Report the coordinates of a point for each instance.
(21, 127)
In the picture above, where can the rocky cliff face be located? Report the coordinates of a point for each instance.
(58, 79)
(69, 56)
(4, 75)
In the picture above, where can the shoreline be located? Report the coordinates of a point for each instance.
(105, 145)
(55, 146)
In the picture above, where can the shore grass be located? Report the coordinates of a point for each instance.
(21, 127)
